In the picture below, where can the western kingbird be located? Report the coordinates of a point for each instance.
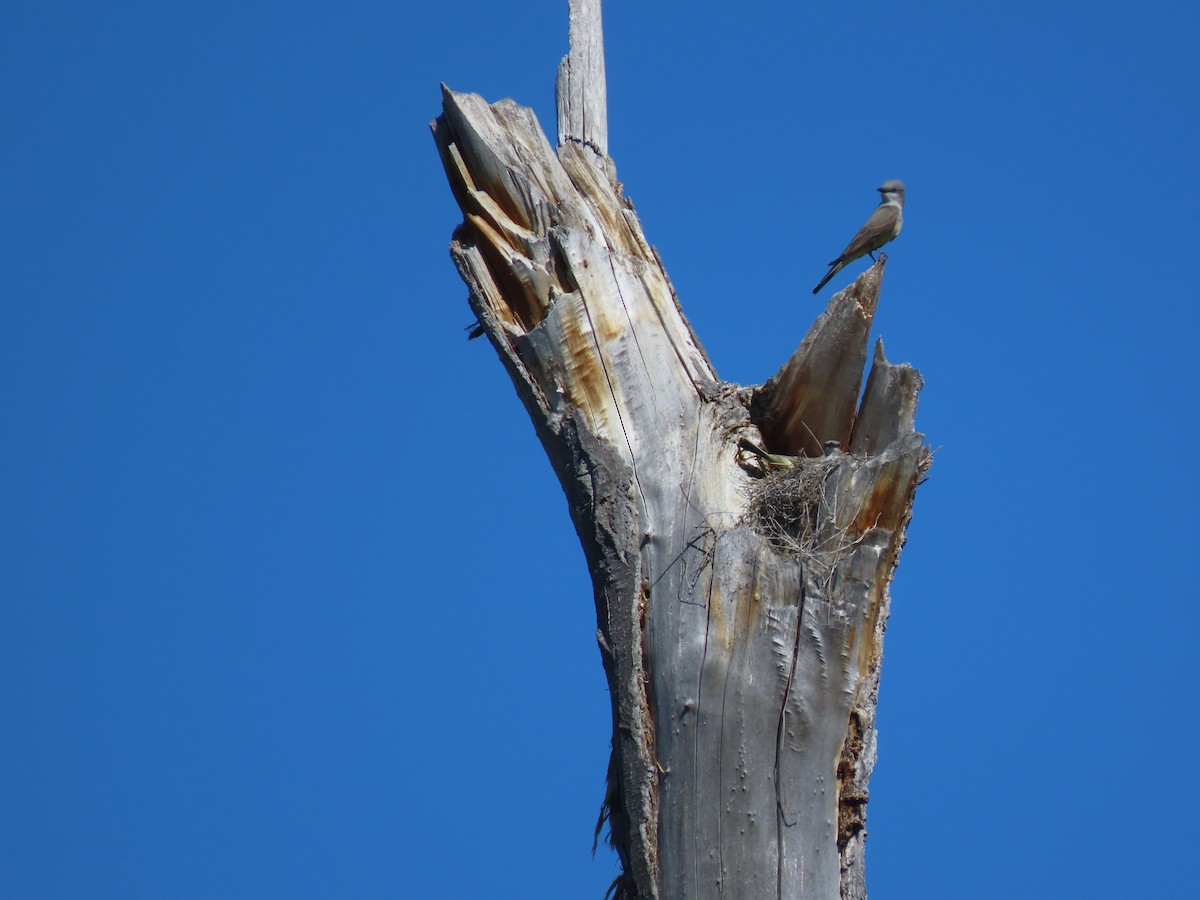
(882, 227)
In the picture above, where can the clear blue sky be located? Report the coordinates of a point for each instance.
(291, 605)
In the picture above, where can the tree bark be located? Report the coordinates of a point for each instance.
(740, 539)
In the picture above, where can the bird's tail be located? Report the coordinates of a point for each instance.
(838, 265)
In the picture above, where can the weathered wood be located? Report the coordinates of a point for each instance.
(740, 596)
(811, 399)
(581, 91)
(889, 405)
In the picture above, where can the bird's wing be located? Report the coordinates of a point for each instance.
(877, 232)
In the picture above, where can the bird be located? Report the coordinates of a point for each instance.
(882, 227)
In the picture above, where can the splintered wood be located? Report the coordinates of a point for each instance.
(740, 597)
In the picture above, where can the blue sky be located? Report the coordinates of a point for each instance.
(291, 605)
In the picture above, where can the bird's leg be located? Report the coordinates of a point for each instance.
(871, 254)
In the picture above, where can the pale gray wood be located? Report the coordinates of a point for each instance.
(742, 660)
(889, 405)
(580, 89)
(811, 399)
(735, 668)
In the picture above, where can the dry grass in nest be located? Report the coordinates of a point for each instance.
(784, 504)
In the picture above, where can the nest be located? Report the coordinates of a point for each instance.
(785, 504)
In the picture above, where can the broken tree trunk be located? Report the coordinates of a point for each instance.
(740, 539)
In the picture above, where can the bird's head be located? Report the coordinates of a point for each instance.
(892, 191)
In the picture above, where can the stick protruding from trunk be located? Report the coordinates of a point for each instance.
(580, 90)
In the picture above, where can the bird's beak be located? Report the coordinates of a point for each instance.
(881, 190)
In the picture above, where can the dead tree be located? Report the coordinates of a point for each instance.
(741, 540)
